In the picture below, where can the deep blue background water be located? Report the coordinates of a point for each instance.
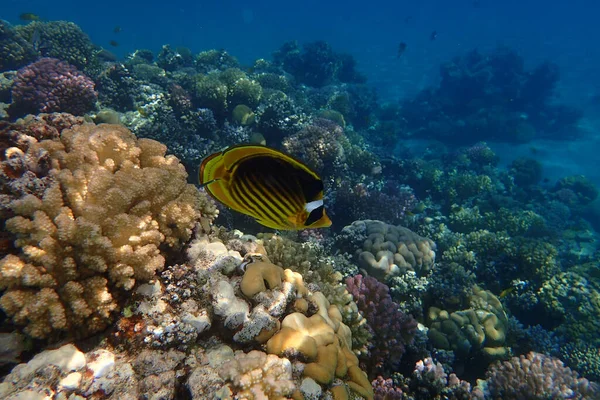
(563, 31)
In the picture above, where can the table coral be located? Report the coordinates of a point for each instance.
(116, 205)
(385, 250)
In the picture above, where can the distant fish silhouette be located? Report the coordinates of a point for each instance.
(117, 29)
(433, 35)
(106, 55)
(113, 43)
(401, 49)
(29, 17)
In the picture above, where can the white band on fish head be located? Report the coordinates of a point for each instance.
(313, 205)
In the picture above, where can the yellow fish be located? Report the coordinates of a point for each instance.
(277, 190)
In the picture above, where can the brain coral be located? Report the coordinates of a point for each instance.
(385, 250)
(114, 206)
(482, 327)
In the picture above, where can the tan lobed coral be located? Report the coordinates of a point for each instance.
(385, 250)
(115, 205)
(482, 327)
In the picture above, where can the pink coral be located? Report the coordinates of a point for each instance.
(51, 85)
(392, 329)
(537, 376)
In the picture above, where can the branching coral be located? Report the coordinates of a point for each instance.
(51, 85)
(569, 299)
(15, 51)
(60, 39)
(116, 204)
(392, 329)
(256, 375)
(318, 145)
(537, 376)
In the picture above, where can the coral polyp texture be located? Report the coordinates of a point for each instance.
(115, 204)
(52, 85)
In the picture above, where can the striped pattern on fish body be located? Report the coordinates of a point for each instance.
(277, 190)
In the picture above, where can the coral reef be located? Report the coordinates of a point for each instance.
(490, 97)
(316, 64)
(103, 235)
(51, 85)
(100, 225)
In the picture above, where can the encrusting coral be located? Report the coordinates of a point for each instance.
(115, 206)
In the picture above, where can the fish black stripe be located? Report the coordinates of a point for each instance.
(273, 198)
(256, 200)
(242, 199)
(280, 184)
(292, 191)
(267, 199)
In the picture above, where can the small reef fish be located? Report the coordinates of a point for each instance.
(36, 39)
(433, 35)
(277, 190)
(506, 292)
(117, 29)
(106, 55)
(29, 17)
(113, 43)
(401, 49)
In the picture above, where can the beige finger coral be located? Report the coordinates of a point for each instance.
(116, 205)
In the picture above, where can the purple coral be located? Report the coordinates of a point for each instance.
(385, 389)
(50, 85)
(392, 329)
(538, 376)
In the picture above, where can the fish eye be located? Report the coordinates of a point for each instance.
(314, 216)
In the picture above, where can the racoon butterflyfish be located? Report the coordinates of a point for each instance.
(277, 190)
